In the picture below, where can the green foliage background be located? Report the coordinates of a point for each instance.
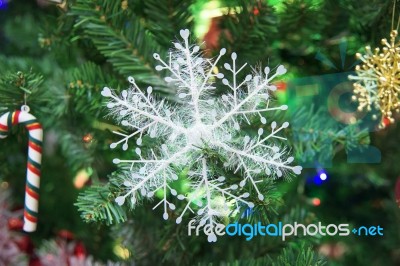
(62, 57)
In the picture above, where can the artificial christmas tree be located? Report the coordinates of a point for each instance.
(62, 56)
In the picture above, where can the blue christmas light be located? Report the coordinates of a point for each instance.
(323, 176)
(317, 180)
(3, 4)
(320, 178)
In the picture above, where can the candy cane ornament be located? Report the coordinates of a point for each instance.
(34, 161)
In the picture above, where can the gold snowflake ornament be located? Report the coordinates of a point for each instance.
(378, 79)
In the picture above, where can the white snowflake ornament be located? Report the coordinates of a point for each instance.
(200, 122)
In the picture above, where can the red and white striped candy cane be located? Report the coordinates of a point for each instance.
(34, 161)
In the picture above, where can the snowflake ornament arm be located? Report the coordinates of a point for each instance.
(257, 89)
(199, 122)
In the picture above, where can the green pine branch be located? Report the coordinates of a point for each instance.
(97, 204)
(318, 139)
(164, 18)
(249, 30)
(15, 87)
(298, 16)
(294, 255)
(84, 86)
(119, 34)
(298, 255)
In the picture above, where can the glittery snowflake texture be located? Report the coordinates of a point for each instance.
(377, 80)
(200, 122)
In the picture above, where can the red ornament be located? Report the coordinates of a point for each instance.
(25, 245)
(80, 250)
(386, 121)
(34, 261)
(316, 201)
(15, 224)
(397, 191)
(65, 234)
(256, 11)
(211, 38)
(281, 85)
(87, 138)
